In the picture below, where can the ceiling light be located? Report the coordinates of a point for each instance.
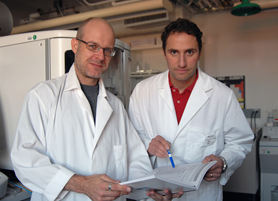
(246, 8)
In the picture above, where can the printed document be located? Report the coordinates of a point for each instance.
(184, 177)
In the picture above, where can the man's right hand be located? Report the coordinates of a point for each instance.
(96, 187)
(158, 147)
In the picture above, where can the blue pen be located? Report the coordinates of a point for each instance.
(171, 159)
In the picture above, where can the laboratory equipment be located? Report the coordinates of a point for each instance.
(116, 79)
(26, 59)
(244, 183)
(3, 184)
(30, 58)
(269, 163)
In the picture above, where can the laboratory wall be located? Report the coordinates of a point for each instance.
(244, 46)
(233, 46)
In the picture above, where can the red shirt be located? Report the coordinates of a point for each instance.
(180, 99)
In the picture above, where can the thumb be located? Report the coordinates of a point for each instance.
(206, 160)
(108, 179)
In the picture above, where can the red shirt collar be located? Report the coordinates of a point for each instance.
(190, 88)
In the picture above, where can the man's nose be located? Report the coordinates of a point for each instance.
(100, 54)
(182, 61)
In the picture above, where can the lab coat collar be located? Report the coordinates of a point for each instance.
(204, 81)
(72, 81)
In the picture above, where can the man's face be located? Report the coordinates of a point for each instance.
(182, 55)
(91, 65)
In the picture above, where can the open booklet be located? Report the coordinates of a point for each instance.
(184, 177)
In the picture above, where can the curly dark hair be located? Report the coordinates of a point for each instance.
(182, 25)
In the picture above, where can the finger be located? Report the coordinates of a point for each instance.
(209, 175)
(157, 149)
(114, 184)
(212, 176)
(168, 195)
(177, 195)
(169, 143)
(123, 189)
(216, 167)
(164, 142)
(107, 194)
(155, 196)
(208, 159)
(104, 177)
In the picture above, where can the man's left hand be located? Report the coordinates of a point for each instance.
(168, 195)
(215, 171)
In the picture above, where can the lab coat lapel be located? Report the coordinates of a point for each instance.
(104, 111)
(72, 83)
(197, 99)
(165, 92)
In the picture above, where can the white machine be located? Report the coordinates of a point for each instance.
(244, 183)
(26, 59)
(269, 164)
(30, 58)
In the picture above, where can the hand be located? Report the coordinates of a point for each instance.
(96, 187)
(158, 147)
(215, 171)
(168, 195)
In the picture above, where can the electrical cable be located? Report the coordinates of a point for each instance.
(255, 114)
(252, 125)
(20, 187)
(252, 119)
(58, 6)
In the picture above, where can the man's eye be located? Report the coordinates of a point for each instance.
(174, 52)
(108, 50)
(93, 46)
(190, 52)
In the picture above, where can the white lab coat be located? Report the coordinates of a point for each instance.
(56, 138)
(212, 123)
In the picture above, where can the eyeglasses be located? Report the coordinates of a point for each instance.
(95, 48)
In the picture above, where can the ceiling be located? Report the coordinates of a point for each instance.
(22, 9)
(24, 12)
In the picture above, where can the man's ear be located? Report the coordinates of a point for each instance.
(74, 45)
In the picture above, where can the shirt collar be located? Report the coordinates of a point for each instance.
(190, 88)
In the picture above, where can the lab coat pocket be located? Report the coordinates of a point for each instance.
(201, 142)
(120, 152)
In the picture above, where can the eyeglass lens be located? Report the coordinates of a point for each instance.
(95, 48)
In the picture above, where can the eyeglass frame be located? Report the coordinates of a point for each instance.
(113, 52)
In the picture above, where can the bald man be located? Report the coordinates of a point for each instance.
(74, 141)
